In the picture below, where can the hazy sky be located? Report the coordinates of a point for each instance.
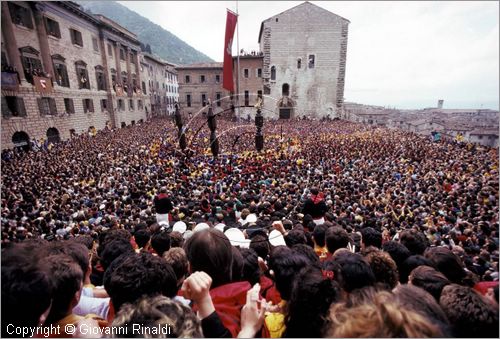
(400, 54)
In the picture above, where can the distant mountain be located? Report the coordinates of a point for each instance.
(162, 42)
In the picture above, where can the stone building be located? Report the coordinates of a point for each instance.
(250, 83)
(304, 62)
(199, 83)
(65, 71)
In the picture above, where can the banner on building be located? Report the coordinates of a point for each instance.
(42, 84)
(10, 81)
(231, 21)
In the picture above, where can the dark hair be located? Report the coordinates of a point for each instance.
(415, 241)
(398, 252)
(319, 235)
(140, 275)
(67, 277)
(251, 269)
(160, 242)
(429, 279)
(410, 264)
(220, 259)
(261, 245)
(308, 253)
(470, 314)
(286, 264)
(176, 239)
(237, 268)
(422, 302)
(309, 304)
(142, 237)
(113, 250)
(371, 237)
(176, 257)
(384, 269)
(24, 282)
(86, 240)
(447, 263)
(76, 251)
(336, 237)
(353, 272)
(294, 237)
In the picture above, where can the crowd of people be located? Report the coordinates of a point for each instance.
(335, 229)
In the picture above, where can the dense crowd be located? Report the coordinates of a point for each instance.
(335, 229)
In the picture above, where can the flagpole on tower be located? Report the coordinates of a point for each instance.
(238, 60)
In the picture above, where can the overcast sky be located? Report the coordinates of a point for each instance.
(400, 54)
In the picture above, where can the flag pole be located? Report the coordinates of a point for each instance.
(238, 58)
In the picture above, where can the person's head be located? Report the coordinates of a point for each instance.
(67, 281)
(210, 251)
(294, 237)
(429, 279)
(24, 282)
(160, 242)
(113, 250)
(420, 301)
(410, 264)
(446, 262)
(470, 314)
(251, 269)
(260, 244)
(153, 311)
(285, 265)
(352, 272)
(398, 252)
(176, 257)
(311, 297)
(307, 252)
(414, 241)
(370, 237)
(336, 237)
(142, 237)
(176, 239)
(139, 275)
(383, 318)
(318, 235)
(384, 269)
(76, 251)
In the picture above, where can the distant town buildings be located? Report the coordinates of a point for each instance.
(67, 72)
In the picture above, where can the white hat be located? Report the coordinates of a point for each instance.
(200, 227)
(179, 226)
(276, 238)
(187, 234)
(220, 227)
(251, 218)
(163, 223)
(237, 238)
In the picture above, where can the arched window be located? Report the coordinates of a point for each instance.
(101, 79)
(61, 73)
(83, 75)
(273, 73)
(53, 135)
(21, 139)
(285, 90)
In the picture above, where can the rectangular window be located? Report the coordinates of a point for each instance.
(121, 106)
(144, 88)
(259, 72)
(95, 43)
(20, 15)
(76, 37)
(259, 94)
(245, 73)
(83, 77)
(202, 79)
(88, 106)
(247, 98)
(203, 99)
(140, 105)
(110, 50)
(13, 107)
(311, 61)
(130, 105)
(101, 82)
(218, 96)
(61, 74)
(47, 106)
(104, 105)
(188, 79)
(52, 27)
(30, 63)
(188, 100)
(217, 78)
(122, 54)
(68, 106)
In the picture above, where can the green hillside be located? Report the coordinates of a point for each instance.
(162, 42)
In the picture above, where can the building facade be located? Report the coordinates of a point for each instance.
(67, 72)
(199, 83)
(250, 83)
(304, 51)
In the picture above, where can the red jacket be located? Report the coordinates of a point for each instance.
(228, 300)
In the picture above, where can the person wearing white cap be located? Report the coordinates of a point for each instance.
(179, 226)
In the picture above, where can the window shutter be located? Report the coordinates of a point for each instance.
(91, 105)
(72, 107)
(27, 18)
(65, 75)
(21, 109)
(5, 108)
(53, 107)
(40, 106)
(84, 106)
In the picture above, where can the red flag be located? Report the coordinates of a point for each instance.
(227, 82)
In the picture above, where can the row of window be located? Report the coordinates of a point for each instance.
(204, 100)
(13, 106)
(203, 79)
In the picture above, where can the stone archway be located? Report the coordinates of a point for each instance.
(285, 107)
(21, 139)
(53, 135)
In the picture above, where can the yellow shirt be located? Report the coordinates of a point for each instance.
(275, 322)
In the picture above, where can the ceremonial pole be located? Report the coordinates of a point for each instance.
(238, 59)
